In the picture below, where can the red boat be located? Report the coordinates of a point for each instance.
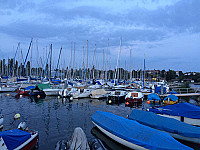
(18, 139)
(134, 99)
(22, 91)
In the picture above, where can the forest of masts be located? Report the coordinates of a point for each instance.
(20, 67)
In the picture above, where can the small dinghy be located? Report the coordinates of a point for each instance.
(134, 135)
(175, 128)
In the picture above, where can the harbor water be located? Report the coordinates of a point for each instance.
(56, 118)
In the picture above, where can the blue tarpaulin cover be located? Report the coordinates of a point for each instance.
(171, 97)
(165, 124)
(29, 87)
(153, 96)
(181, 109)
(136, 133)
(14, 138)
(22, 80)
(70, 83)
(98, 83)
(173, 92)
(4, 77)
(158, 90)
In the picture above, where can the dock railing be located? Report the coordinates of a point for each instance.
(187, 90)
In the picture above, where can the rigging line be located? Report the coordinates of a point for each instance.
(46, 63)
(13, 59)
(58, 62)
(26, 56)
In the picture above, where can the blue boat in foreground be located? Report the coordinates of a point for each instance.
(18, 140)
(175, 128)
(184, 112)
(133, 134)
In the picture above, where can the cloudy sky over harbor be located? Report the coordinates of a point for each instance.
(168, 32)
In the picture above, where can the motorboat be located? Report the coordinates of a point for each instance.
(65, 93)
(175, 128)
(134, 98)
(24, 91)
(18, 139)
(51, 92)
(81, 93)
(99, 94)
(153, 100)
(134, 135)
(185, 112)
(116, 97)
(170, 100)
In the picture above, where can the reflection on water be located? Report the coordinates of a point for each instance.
(54, 118)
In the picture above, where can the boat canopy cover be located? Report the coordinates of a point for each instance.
(136, 133)
(14, 138)
(181, 109)
(70, 83)
(98, 83)
(165, 124)
(79, 140)
(171, 97)
(4, 77)
(98, 92)
(153, 96)
(22, 79)
(158, 90)
(43, 86)
(173, 92)
(29, 87)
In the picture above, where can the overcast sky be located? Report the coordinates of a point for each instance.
(168, 32)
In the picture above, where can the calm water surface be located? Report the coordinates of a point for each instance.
(55, 119)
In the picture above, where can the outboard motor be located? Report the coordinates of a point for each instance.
(61, 145)
(22, 126)
(1, 121)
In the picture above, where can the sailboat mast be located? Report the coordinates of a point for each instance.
(107, 61)
(87, 61)
(125, 71)
(74, 63)
(117, 72)
(61, 66)
(144, 72)
(103, 64)
(31, 59)
(130, 67)
(50, 59)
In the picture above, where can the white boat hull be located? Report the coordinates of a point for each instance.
(7, 89)
(33, 136)
(83, 95)
(1, 121)
(120, 140)
(51, 92)
(189, 139)
(191, 121)
(98, 96)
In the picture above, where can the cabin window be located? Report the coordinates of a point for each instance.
(117, 93)
(134, 94)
